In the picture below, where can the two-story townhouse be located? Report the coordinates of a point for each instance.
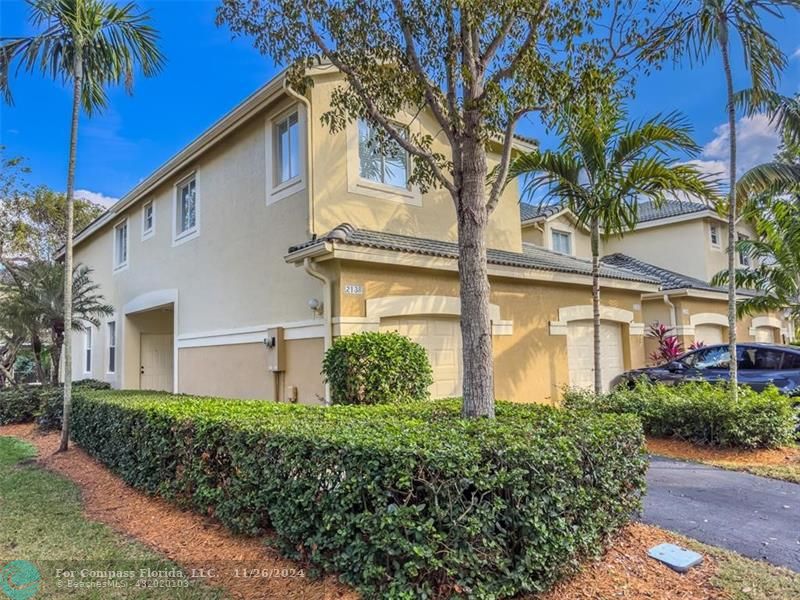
(237, 262)
(682, 245)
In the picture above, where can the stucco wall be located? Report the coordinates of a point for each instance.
(531, 364)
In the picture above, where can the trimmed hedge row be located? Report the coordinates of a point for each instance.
(403, 501)
(702, 413)
(42, 404)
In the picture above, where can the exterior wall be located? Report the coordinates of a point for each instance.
(239, 371)
(231, 276)
(533, 234)
(430, 216)
(541, 234)
(530, 364)
(716, 259)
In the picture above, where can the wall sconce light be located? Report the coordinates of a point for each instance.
(315, 306)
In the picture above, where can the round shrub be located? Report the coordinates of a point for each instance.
(377, 368)
(19, 404)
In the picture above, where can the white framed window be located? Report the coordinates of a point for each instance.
(186, 214)
(713, 233)
(148, 220)
(744, 257)
(381, 159)
(562, 241)
(87, 349)
(286, 153)
(121, 245)
(112, 347)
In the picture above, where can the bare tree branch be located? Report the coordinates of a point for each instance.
(505, 159)
(497, 42)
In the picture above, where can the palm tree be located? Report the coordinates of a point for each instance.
(697, 33)
(38, 301)
(603, 170)
(92, 44)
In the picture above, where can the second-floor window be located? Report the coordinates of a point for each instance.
(287, 149)
(112, 347)
(562, 241)
(714, 235)
(121, 245)
(87, 349)
(186, 209)
(381, 159)
(148, 220)
(744, 257)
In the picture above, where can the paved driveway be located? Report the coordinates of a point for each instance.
(754, 516)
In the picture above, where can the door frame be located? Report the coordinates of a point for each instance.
(149, 301)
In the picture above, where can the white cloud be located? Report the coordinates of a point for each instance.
(756, 143)
(796, 53)
(96, 197)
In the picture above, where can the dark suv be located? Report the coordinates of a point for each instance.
(759, 365)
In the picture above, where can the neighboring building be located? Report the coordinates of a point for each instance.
(236, 263)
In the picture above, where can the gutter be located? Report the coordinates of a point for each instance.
(327, 309)
(673, 316)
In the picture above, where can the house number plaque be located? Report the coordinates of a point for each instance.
(354, 289)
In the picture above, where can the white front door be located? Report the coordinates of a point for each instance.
(155, 367)
(580, 353)
(441, 338)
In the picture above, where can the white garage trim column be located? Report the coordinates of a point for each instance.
(702, 319)
(765, 321)
(584, 312)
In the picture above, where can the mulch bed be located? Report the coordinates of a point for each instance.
(196, 542)
(734, 456)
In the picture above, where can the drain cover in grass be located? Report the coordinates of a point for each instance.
(676, 558)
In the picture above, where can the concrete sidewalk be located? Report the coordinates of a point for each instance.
(754, 516)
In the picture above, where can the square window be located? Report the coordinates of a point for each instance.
(562, 241)
(121, 245)
(112, 347)
(381, 159)
(287, 149)
(148, 220)
(186, 209)
(744, 257)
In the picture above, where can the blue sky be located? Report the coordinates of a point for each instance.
(207, 73)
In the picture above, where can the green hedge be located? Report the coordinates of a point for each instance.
(377, 368)
(702, 413)
(42, 404)
(19, 405)
(403, 501)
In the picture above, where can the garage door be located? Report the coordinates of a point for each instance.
(765, 335)
(580, 353)
(709, 334)
(441, 338)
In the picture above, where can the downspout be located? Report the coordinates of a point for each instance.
(327, 297)
(309, 162)
(673, 316)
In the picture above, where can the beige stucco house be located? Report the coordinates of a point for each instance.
(237, 262)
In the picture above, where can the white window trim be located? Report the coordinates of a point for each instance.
(718, 244)
(148, 233)
(108, 346)
(746, 265)
(365, 187)
(279, 191)
(189, 234)
(117, 268)
(88, 336)
(554, 230)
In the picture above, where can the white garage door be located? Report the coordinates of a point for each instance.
(709, 334)
(441, 338)
(580, 353)
(765, 335)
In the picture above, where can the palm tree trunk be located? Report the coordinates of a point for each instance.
(476, 326)
(73, 149)
(36, 346)
(55, 354)
(598, 375)
(726, 63)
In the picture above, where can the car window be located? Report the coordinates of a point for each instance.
(709, 358)
(768, 359)
(791, 361)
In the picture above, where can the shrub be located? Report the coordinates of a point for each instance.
(92, 384)
(699, 412)
(404, 501)
(19, 404)
(377, 368)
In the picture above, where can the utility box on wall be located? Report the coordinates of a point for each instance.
(276, 350)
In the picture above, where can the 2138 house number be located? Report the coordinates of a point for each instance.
(354, 289)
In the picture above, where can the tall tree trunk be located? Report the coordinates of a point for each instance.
(476, 326)
(726, 63)
(36, 346)
(73, 149)
(598, 374)
(55, 356)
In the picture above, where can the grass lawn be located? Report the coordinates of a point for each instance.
(778, 463)
(41, 521)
